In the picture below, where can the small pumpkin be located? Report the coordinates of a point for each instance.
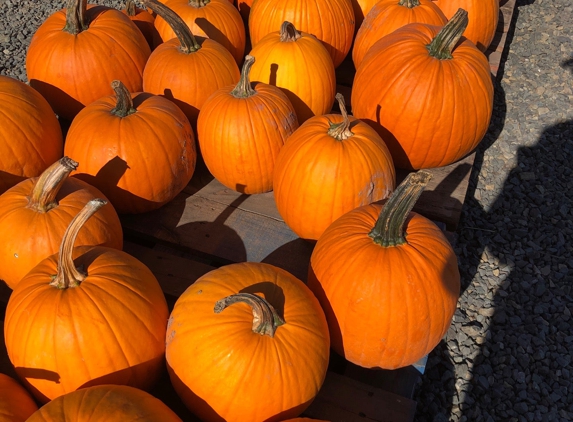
(16, 405)
(247, 328)
(241, 130)
(387, 279)
(100, 319)
(144, 20)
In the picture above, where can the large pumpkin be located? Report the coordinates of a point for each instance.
(299, 64)
(331, 21)
(247, 328)
(16, 405)
(98, 319)
(140, 152)
(241, 130)
(30, 135)
(329, 166)
(428, 95)
(76, 52)
(388, 281)
(34, 216)
(105, 403)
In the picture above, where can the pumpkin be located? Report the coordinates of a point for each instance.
(187, 70)
(30, 135)
(16, 405)
(99, 318)
(105, 403)
(244, 7)
(387, 16)
(144, 21)
(139, 149)
(361, 10)
(299, 64)
(428, 95)
(247, 328)
(329, 166)
(387, 279)
(241, 130)
(76, 52)
(331, 21)
(218, 20)
(35, 214)
(483, 18)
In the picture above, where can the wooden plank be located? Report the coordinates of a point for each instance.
(499, 43)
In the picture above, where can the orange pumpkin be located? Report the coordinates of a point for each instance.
(329, 166)
(387, 279)
(16, 405)
(247, 328)
(105, 403)
(100, 320)
(76, 52)
(218, 20)
(331, 21)
(30, 135)
(187, 70)
(241, 130)
(299, 64)
(140, 152)
(387, 16)
(483, 18)
(144, 20)
(244, 7)
(428, 95)
(35, 214)
(361, 10)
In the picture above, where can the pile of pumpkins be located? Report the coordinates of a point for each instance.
(87, 326)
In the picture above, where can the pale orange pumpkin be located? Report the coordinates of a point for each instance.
(16, 405)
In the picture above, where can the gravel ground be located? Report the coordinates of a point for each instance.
(507, 354)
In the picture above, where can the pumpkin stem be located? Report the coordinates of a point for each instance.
(409, 3)
(68, 275)
(341, 131)
(389, 228)
(289, 33)
(124, 105)
(199, 3)
(266, 320)
(244, 88)
(443, 44)
(130, 8)
(43, 196)
(76, 21)
(188, 42)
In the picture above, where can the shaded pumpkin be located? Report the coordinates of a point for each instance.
(144, 21)
(16, 405)
(387, 279)
(429, 96)
(35, 214)
(361, 10)
(100, 319)
(247, 327)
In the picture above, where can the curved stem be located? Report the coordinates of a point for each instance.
(130, 8)
(188, 42)
(289, 33)
(124, 104)
(443, 44)
(266, 320)
(68, 275)
(389, 228)
(43, 196)
(409, 3)
(199, 3)
(341, 131)
(76, 16)
(244, 88)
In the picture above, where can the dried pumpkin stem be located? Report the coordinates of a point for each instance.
(289, 33)
(188, 42)
(389, 228)
(199, 3)
(443, 44)
(341, 131)
(130, 8)
(244, 88)
(409, 3)
(76, 16)
(124, 104)
(43, 196)
(266, 320)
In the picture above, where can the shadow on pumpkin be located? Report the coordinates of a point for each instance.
(8, 180)
(215, 34)
(303, 111)
(271, 292)
(65, 106)
(293, 257)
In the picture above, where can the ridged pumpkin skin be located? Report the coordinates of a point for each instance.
(105, 403)
(387, 16)
(71, 71)
(301, 68)
(30, 135)
(218, 20)
(232, 365)
(16, 405)
(430, 112)
(483, 18)
(331, 21)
